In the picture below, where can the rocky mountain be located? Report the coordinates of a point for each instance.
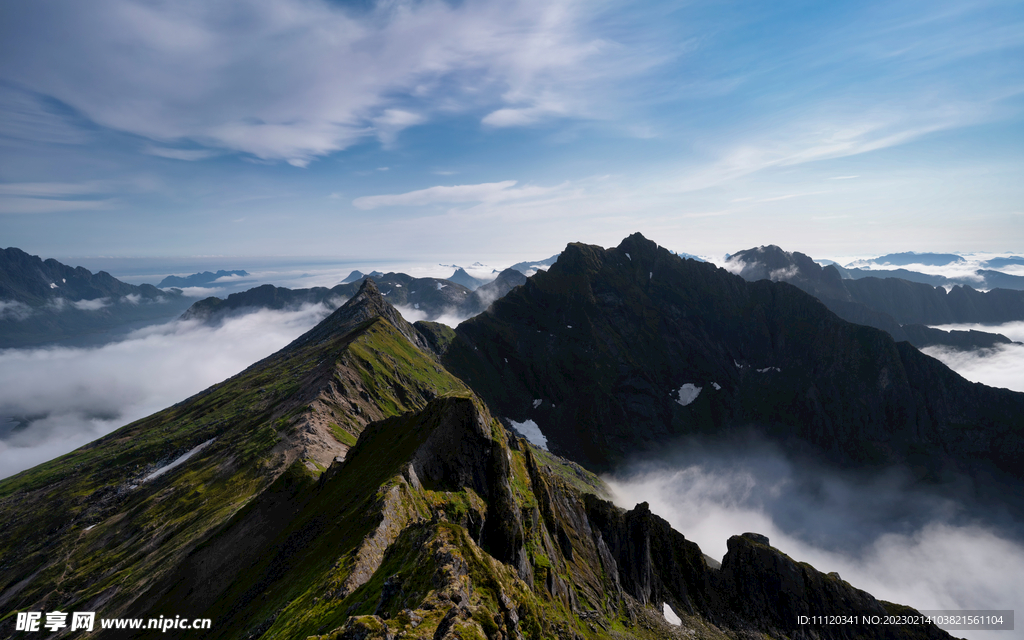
(1002, 263)
(359, 275)
(44, 301)
(613, 352)
(897, 306)
(199, 279)
(350, 487)
(529, 268)
(912, 257)
(980, 279)
(461, 277)
(433, 296)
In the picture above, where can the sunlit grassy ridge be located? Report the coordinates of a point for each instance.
(87, 528)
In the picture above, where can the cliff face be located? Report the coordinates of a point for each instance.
(618, 350)
(434, 523)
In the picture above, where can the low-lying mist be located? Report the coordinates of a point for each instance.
(450, 317)
(65, 397)
(1002, 366)
(884, 534)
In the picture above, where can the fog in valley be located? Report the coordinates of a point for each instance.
(881, 533)
(55, 399)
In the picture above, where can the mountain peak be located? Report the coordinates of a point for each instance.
(368, 303)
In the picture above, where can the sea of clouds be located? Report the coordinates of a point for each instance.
(881, 533)
(64, 397)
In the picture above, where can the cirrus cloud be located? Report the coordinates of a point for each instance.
(485, 192)
(202, 74)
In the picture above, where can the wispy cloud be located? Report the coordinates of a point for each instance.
(189, 155)
(45, 205)
(486, 192)
(331, 78)
(52, 189)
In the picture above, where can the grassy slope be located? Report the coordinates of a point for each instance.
(84, 527)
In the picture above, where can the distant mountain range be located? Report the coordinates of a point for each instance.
(912, 257)
(898, 306)
(199, 279)
(434, 297)
(987, 278)
(44, 301)
(358, 484)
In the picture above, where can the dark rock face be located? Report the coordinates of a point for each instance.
(774, 591)
(607, 339)
(44, 301)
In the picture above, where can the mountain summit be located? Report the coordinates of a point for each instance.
(614, 351)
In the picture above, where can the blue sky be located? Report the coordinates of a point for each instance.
(501, 131)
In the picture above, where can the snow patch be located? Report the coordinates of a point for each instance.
(537, 403)
(179, 461)
(440, 286)
(630, 259)
(417, 305)
(53, 286)
(767, 369)
(670, 615)
(717, 386)
(687, 393)
(398, 285)
(650, 276)
(530, 430)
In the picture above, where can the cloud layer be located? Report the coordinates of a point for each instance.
(72, 396)
(285, 80)
(899, 543)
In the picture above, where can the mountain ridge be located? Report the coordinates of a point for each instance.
(607, 338)
(434, 522)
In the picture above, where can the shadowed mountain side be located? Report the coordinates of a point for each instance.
(598, 351)
(45, 301)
